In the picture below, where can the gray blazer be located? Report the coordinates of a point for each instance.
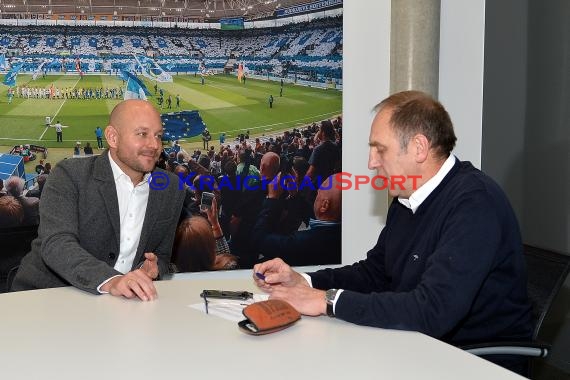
(79, 232)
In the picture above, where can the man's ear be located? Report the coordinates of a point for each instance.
(324, 206)
(420, 147)
(111, 135)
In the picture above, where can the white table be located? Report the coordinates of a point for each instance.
(69, 334)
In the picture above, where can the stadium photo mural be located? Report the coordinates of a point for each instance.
(252, 118)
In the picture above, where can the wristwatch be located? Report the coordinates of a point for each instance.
(330, 295)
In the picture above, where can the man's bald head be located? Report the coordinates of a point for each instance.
(328, 204)
(125, 112)
(269, 166)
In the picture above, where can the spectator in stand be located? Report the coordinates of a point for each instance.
(216, 165)
(300, 201)
(230, 194)
(47, 168)
(247, 170)
(320, 244)
(77, 149)
(11, 212)
(88, 150)
(326, 157)
(204, 161)
(37, 192)
(176, 146)
(246, 211)
(39, 169)
(303, 149)
(15, 188)
(200, 244)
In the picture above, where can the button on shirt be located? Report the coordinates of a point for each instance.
(132, 208)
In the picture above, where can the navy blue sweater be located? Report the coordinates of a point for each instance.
(453, 270)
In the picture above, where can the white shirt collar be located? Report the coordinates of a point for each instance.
(118, 172)
(421, 194)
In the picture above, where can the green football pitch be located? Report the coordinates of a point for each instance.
(224, 104)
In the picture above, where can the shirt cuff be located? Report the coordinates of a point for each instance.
(308, 278)
(338, 293)
(104, 282)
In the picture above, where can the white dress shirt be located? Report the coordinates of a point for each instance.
(133, 201)
(421, 194)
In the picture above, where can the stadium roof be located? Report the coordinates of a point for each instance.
(195, 10)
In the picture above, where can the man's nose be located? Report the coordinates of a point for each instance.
(154, 142)
(373, 161)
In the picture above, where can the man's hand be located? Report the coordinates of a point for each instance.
(277, 272)
(212, 213)
(274, 189)
(282, 282)
(133, 284)
(150, 265)
(306, 300)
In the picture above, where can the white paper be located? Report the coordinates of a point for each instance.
(228, 309)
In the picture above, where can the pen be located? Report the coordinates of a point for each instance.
(260, 276)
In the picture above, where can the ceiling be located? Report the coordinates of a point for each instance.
(202, 10)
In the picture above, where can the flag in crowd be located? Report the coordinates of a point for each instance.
(39, 70)
(135, 87)
(3, 64)
(152, 70)
(183, 124)
(10, 77)
(240, 72)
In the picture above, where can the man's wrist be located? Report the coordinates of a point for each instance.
(105, 287)
(330, 296)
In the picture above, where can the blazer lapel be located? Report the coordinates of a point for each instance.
(103, 173)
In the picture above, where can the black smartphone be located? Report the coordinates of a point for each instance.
(206, 201)
(226, 294)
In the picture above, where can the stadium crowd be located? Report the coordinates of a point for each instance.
(313, 48)
(267, 200)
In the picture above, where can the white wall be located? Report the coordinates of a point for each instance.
(462, 38)
(366, 79)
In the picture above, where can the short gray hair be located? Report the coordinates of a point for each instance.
(14, 186)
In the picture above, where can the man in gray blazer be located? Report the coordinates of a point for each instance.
(107, 222)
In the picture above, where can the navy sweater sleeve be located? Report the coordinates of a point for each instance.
(451, 278)
(364, 276)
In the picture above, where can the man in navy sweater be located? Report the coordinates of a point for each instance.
(449, 262)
